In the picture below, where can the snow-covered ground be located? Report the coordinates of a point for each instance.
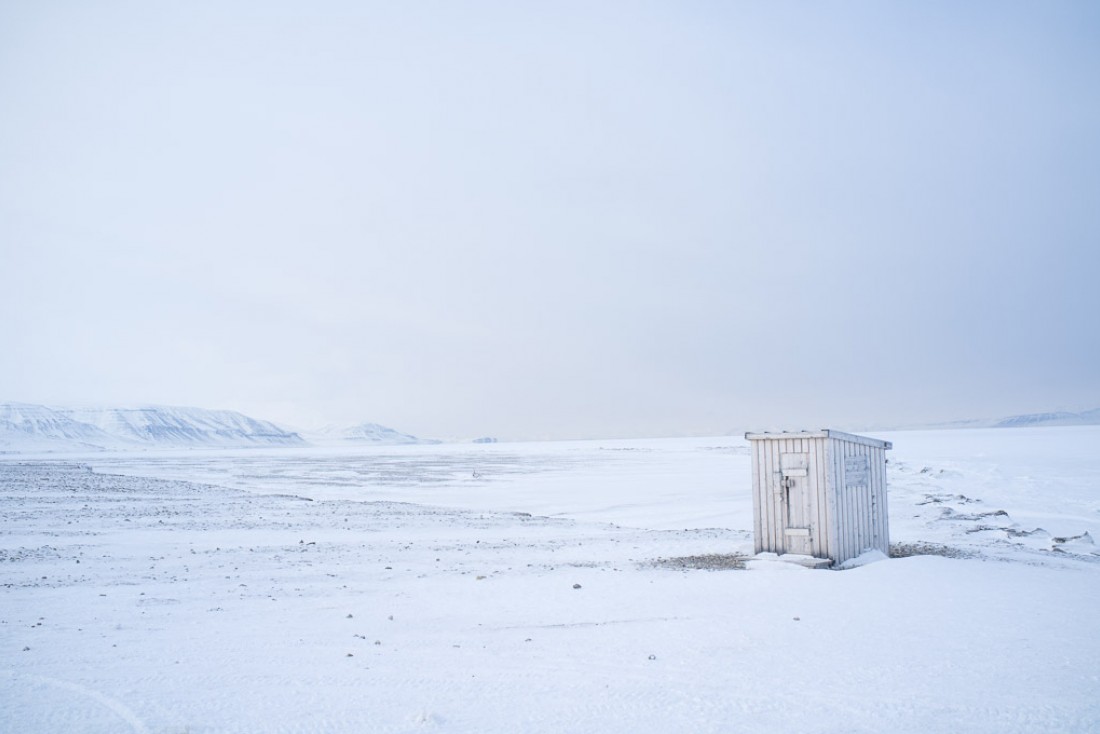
(544, 587)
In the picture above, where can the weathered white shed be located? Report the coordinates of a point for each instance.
(819, 493)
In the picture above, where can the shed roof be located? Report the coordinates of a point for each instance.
(823, 433)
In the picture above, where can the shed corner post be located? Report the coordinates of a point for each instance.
(885, 499)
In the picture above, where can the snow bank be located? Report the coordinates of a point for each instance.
(868, 556)
(286, 603)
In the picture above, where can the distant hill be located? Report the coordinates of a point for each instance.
(1055, 418)
(25, 427)
(364, 433)
(1060, 418)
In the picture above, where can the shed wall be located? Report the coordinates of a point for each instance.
(859, 482)
(768, 499)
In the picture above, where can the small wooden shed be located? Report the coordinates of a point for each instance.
(819, 493)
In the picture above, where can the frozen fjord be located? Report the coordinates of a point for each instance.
(212, 595)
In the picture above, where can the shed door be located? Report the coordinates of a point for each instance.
(794, 488)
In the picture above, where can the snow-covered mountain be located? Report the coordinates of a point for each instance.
(25, 427)
(32, 428)
(184, 426)
(364, 433)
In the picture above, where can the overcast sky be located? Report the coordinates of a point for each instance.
(552, 219)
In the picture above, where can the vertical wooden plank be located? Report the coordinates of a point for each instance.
(755, 495)
(789, 513)
(814, 480)
(765, 523)
(845, 498)
(777, 504)
(821, 497)
(864, 508)
(810, 497)
(831, 507)
(867, 509)
(809, 448)
(873, 500)
(857, 507)
(780, 497)
(880, 501)
(761, 494)
(851, 537)
(845, 537)
(835, 506)
(838, 485)
(766, 498)
(797, 502)
(872, 503)
(864, 505)
(800, 514)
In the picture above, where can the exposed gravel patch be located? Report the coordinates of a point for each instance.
(706, 562)
(904, 550)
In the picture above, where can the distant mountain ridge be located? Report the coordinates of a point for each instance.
(27, 427)
(1058, 418)
(184, 426)
(36, 427)
(1025, 420)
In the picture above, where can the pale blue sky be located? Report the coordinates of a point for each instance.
(553, 219)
